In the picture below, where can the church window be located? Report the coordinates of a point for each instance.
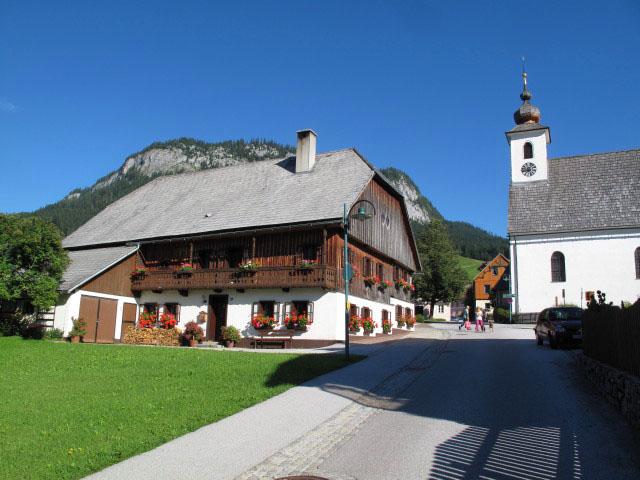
(638, 262)
(528, 150)
(557, 267)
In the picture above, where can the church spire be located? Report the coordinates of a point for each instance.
(527, 113)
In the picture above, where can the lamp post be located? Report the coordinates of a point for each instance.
(347, 271)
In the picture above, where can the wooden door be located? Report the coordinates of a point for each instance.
(129, 311)
(106, 325)
(217, 316)
(89, 307)
(99, 315)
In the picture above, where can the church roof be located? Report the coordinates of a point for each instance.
(585, 192)
(524, 127)
(257, 194)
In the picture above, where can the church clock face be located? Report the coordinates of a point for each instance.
(528, 169)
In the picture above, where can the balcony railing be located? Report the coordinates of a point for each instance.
(263, 277)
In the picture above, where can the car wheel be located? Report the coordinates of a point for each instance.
(553, 342)
(539, 340)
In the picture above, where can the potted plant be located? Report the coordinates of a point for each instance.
(368, 325)
(307, 263)
(355, 323)
(371, 281)
(410, 321)
(385, 284)
(400, 321)
(79, 330)
(147, 320)
(168, 320)
(139, 271)
(192, 333)
(230, 335)
(298, 322)
(185, 269)
(249, 265)
(386, 325)
(262, 322)
(356, 271)
(401, 283)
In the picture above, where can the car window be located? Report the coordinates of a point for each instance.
(568, 314)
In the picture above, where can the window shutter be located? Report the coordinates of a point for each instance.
(177, 312)
(276, 311)
(255, 309)
(287, 309)
(310, 310)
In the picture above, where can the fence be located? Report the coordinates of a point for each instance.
(612, 336)
(530, 317)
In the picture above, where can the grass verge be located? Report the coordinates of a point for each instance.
(469, 266)
(73, 409)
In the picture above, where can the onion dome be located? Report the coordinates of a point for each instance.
(527, 113)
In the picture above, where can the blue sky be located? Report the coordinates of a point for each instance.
(428, 87)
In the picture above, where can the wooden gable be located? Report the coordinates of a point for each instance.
(389, 231)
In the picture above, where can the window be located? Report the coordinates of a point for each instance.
(407, 311)
(151, 308)
(235, 256)
(528, 150)
(350, 256)
(353, 311)
(440, 308)
(173, 309)
(380, 271)
(268, 308)
(367, 267)
(487, 289)
(557, 267)
(366, 312)
(494, 270)
(310, 252)
(385, 315)
(638, 262)
(298, 307)
(398, 312)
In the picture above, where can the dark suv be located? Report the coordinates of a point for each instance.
(559, 326)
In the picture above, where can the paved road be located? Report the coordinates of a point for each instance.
(493, 406)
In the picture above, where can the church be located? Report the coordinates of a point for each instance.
(573, 222)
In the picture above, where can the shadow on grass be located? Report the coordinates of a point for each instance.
(306, 367)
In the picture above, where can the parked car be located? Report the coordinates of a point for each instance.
(559, 326)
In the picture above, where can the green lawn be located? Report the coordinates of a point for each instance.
(469, 266)
(73, 409)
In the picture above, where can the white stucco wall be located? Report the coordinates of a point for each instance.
(538, 139)
(69, 307)
(595, 260)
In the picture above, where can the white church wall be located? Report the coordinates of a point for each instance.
(538, 140)
(594, 260)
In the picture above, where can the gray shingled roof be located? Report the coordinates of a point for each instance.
(585, 192)
(86, 264)
(256, 194)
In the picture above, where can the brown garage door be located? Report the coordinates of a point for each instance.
(100, 316)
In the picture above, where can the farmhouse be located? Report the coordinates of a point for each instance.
(574, 222)
(489, 281)
(220, 246)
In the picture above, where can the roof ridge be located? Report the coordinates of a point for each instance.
(597, 154)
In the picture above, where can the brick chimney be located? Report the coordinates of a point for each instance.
(306, 150)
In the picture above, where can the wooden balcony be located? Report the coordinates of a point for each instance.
(264, 277)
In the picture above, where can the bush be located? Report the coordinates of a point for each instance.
(53, 334)
(13, 325)
(501, 315)
(421, 318)
(230, 334)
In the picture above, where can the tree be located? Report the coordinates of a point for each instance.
(442, 278)
(32, 260)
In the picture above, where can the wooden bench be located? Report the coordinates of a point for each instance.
(274, 336)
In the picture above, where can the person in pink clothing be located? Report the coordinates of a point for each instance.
(479, 320)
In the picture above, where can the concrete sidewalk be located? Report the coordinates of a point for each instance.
(231, 447)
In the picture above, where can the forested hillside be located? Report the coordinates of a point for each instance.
(188, 154)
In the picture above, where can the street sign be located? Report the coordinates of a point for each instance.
(509, 295)
(349, 271)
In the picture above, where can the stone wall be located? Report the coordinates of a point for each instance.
(619, 388)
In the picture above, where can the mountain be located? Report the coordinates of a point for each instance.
(186, 155)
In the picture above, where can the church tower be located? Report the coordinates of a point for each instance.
(528, 141)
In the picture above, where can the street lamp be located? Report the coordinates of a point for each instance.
(347, 271)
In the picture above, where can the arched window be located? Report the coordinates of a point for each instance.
(557, 267)
(528, 150)
(638, 262)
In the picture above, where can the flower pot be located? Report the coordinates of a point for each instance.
(186, 273)
(388, 332)
(74, 339)
(301, 329)
(193, 343)
(229, 343)
(354, 330)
